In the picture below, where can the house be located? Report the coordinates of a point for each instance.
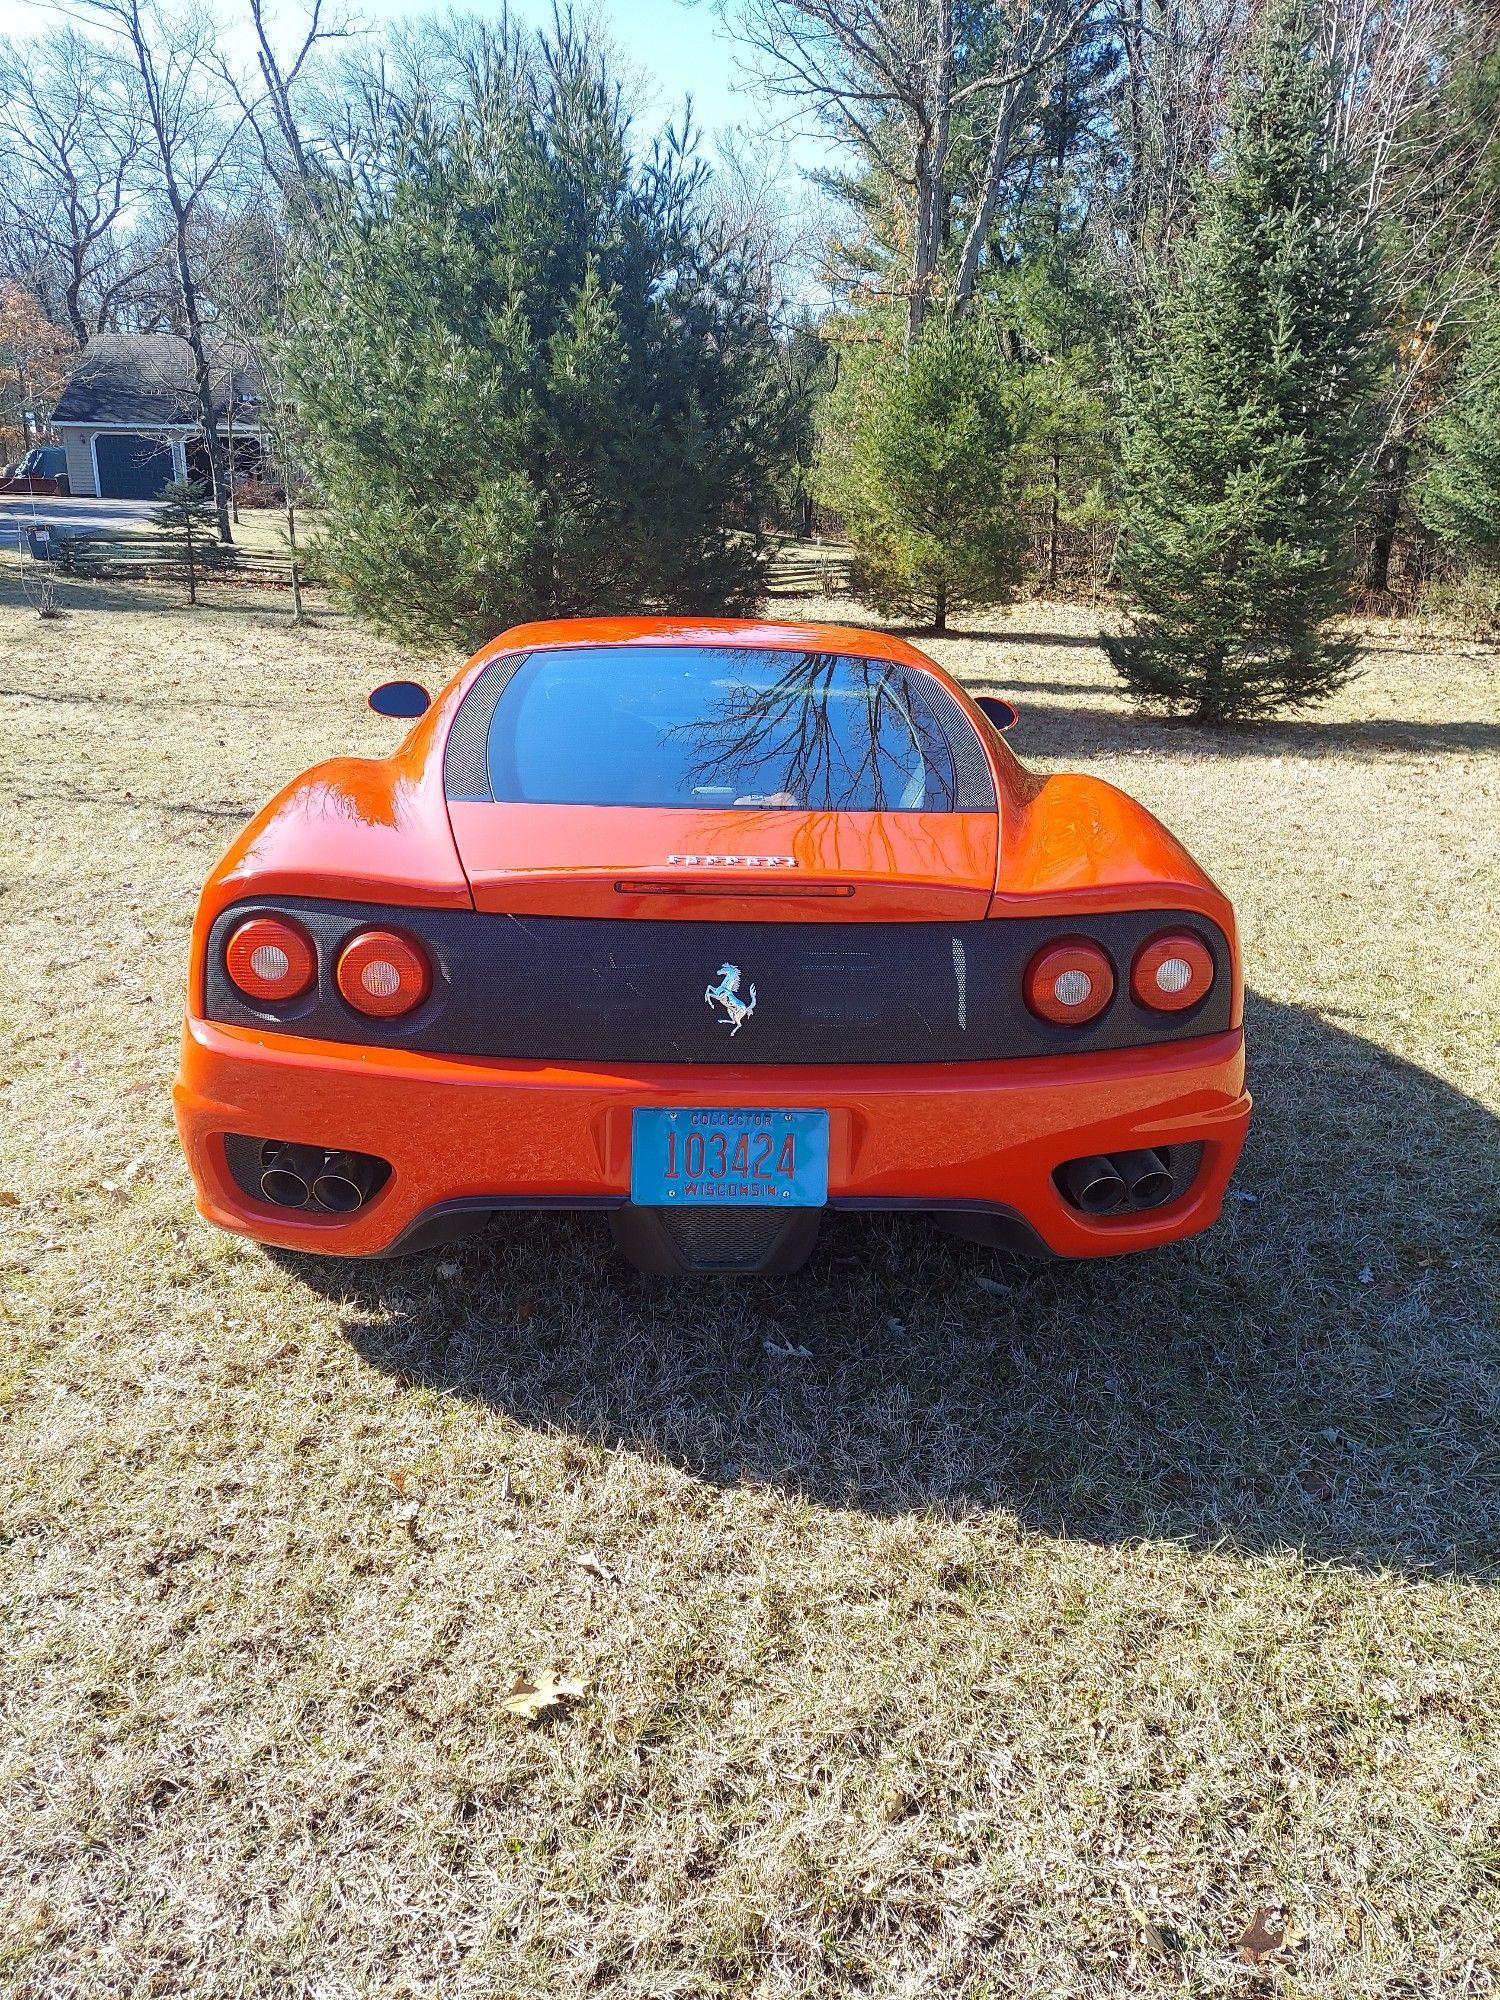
(129, 420)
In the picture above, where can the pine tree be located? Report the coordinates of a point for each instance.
(1460, 493)
(1246, 423)
(527, 377)
(928, 482)
(185, 517)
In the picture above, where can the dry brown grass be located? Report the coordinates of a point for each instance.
(1021, 1641)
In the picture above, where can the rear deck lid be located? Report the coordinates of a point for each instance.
(698, 781)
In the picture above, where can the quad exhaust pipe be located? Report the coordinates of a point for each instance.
(1094, 1185)
(1104, 1183)
(314, 1177)
(345, 1183)
(1147, 1177)
(287, 1174)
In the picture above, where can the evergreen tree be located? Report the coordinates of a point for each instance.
(1460, 494)
(928, 480)
(527, 377)
(1248, 418)
(185, 517)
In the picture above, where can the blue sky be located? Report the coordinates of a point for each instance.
(679, 49)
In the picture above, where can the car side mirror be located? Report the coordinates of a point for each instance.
(999, 712)
(403, 699)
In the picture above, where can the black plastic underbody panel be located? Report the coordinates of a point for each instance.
(604, 989)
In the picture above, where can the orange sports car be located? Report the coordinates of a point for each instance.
(712, 925)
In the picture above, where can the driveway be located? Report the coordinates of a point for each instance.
(18, 511)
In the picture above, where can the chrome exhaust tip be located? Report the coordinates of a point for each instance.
(1148, 1178)
(1094, 1185)
(286, 1175)
(344, 1182)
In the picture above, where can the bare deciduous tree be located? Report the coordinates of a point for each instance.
(191, 133)
(1425, 192)
(290, 156)
(893, 77)
(72, 128)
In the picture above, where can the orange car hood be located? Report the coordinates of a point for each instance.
(559, 860)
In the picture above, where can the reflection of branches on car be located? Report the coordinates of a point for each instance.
(789, 729)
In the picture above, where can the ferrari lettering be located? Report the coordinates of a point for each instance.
(731, 861)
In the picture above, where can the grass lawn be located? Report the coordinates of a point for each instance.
(1024, 1638)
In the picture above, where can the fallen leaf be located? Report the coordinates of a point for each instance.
(398, 1480)
(989, 1284)
(590, 1563)
(1367, 1275)
(9, 1199)
(532, 1695)
(786, 1351)
(447, 1270)
(1315, 1483)
(1268, 1932)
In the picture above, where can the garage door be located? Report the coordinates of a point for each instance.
(132, 466)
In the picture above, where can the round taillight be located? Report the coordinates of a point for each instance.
(382, 974)
(270, 958)
(1172, 972)
(1071, 981)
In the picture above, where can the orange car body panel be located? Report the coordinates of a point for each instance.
(381, 830)
(612, 861)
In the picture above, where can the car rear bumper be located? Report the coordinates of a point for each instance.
(465, 1134)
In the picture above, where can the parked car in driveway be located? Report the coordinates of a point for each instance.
(42, 473)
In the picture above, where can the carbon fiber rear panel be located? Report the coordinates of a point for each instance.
(600, 989)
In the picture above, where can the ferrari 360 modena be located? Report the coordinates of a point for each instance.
(712, 925)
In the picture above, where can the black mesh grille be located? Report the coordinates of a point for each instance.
(602, 989)
(713, 1240)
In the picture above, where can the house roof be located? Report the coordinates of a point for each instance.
(147, 379)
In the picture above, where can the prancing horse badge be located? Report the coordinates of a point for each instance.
(727, 995)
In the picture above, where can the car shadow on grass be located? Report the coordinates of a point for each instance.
(1318, 1372)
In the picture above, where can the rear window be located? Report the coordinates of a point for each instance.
(713, 726)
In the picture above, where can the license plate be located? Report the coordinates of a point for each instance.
(737, 1158)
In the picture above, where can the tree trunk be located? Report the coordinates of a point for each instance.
(193, 323)
(1390, 488)
(234, 505)
(131, 20)
(995, 165)
(78, 326)
(1052, 518)
(291, 535)
(940, 609)
(928, 170)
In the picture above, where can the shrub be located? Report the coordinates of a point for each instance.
(926, 476)
(526, 376)
(1460, 491)
(185, 518)
(1246, 424)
